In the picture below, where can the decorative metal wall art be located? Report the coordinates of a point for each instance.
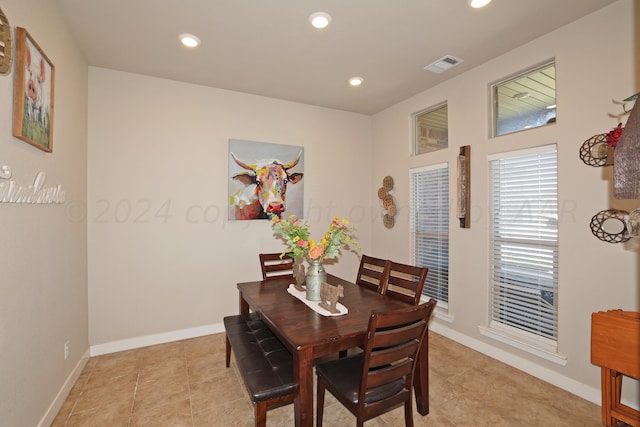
(595, 151)
(610, 226)
(619, 148)
(36, 193)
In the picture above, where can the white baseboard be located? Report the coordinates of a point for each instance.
(57, 403)
(592, 394)
(147, 340)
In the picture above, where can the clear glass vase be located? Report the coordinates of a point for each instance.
(316, 274)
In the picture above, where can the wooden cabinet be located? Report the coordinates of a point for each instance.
(615, 347)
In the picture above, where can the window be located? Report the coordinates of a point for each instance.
(430, 228)
(431, 130)
(525, 101)
(524, 246)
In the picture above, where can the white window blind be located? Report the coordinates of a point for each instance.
(524, 245)
(430, 228)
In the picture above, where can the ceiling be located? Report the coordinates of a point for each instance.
(268, 47)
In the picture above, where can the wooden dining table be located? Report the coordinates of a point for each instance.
(309, 335)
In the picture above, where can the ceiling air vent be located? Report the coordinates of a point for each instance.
(443, 64)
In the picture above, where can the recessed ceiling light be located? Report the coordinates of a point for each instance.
(189, 40)
(320, 19)
(478, 3)
(550, 107)
(355, 81)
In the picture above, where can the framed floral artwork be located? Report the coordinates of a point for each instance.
(33, 93)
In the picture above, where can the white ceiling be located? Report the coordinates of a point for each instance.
(267, 47)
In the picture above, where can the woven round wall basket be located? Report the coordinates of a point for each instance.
(388, 221)
(6, 46)
(387, 183)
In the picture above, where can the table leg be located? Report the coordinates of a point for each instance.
(421, 377)
(303, 375)
(244, 307)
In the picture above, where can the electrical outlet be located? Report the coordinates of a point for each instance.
(66, 350)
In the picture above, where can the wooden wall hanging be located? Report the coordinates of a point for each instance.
(464, 187)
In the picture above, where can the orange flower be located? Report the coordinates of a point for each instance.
(316, 252)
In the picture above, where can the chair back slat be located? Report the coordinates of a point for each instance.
(405, 282)
(373, 273)
(387, 356)
(275, 267)
(389, 373)
(397, 335)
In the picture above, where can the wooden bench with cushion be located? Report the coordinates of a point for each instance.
(265, 364)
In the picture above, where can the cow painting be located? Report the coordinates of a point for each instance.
(264, 187)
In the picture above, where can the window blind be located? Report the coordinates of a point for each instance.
(524, 243)
(430, 228)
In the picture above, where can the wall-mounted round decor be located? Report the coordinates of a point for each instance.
(388, 203)
(593, 151)
(387, 183)
(610, 226)
(388, 221)
(6, 45)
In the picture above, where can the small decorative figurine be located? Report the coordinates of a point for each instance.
(299, 274)
(329, 296)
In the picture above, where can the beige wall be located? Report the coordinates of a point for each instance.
(163, 259)
(595, 60)
(43, 256)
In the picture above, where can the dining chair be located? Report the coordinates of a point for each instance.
(381, 378)
(405, 282)
(276, 267)
(273, 267)
(373, 273)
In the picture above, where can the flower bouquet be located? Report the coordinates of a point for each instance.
(299, 242)
(296, 235)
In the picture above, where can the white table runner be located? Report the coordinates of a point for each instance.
(315, 305)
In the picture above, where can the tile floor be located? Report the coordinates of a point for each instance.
(185, 383)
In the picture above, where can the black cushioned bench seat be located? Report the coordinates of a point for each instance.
(265, 364)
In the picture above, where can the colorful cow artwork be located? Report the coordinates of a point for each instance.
(264, 187)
